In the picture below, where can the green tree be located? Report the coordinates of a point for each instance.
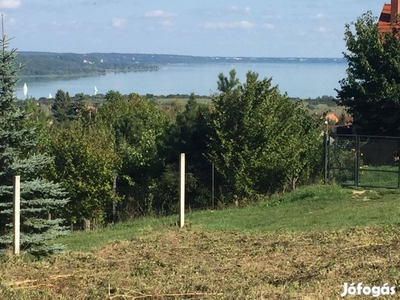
(189, 135)
(63, 107)
(138, 126)
(38, 117)
(84, 161)
(371, 91)
(261, 141)
(41, 200)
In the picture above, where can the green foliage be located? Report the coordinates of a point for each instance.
(261, 141)
(371, 91)
(63, 108)
(41, 199)
(72, 64)
(84, 161)
(138, 126)
(166, 192)
(189, 135)
(39, 118)
(327, 100)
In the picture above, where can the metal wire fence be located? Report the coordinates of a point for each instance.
(361, 160)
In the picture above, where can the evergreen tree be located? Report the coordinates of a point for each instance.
(63, 107)
(40, 199)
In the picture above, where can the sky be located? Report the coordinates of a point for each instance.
(252, 28)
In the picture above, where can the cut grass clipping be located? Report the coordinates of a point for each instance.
(303, 245)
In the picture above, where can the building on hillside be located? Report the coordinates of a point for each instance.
(389, 16)
(331, 123)
(332, 118)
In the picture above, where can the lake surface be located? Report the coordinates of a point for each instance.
(298, 79)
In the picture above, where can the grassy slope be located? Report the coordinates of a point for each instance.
(303, 245)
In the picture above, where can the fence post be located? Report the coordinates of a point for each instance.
(357, 163)
(326, 138)
(16, 211)
(182, 190)
(114, 204)
(398, 162)
(212, 186)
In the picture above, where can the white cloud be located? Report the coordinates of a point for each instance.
(245, 25)
(10, 3)
(235, 8)
(231, 25)
(159, 14)
(320, 16)
(118, 22)
(269, 26)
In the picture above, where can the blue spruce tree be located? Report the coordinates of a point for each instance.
(41, 200)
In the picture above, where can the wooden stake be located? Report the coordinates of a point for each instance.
(16, 210)
(182, 190)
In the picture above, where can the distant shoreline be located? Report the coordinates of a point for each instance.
(78, 67)
(175, 56)
(80, 75)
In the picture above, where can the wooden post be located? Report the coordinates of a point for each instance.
(326, 145)
(357, 162)
(212, 186)
(86, 224)
(16, 210)
(326, 139)
(182, 190)
(114, 205)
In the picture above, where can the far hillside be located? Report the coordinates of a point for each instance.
(60, 64)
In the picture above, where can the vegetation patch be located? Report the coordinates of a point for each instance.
(192, 263)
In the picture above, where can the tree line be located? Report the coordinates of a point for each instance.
(72, 64)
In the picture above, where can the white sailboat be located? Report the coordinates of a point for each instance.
(95, 90)
(25, 90)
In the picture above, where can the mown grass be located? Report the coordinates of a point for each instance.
(315, 208)
(311, 208)
(89, 240)
(301, 245)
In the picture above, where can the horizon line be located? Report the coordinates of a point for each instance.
(182, 55)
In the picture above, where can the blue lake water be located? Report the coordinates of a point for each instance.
(298, 79)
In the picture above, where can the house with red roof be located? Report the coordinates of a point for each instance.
(389, 15)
